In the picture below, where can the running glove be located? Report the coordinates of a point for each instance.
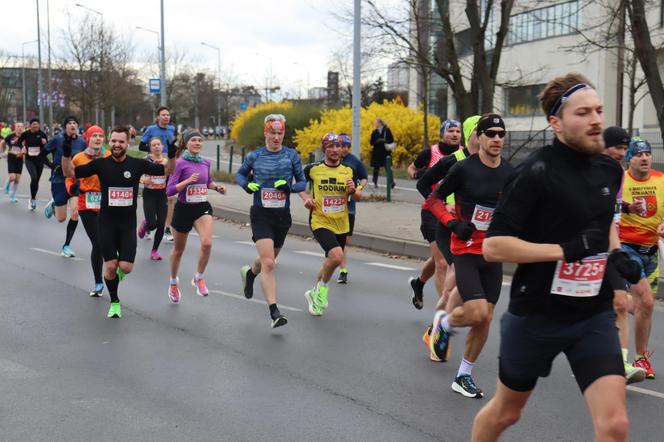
(172, 149)
(251, 187)
(627, 268)
(589, 242)
(281, 185)
(462, 229)
(66, 145)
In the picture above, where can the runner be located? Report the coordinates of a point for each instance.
(119, 176)
(640, 229)
(616, 141)
(556, 211)
(61, 196)
(89, 199)
(190, 181)
(155, 201)
(476, 184)
(11, 144)
(33, 141)
(450, 136)
(350, 160)
(274, 167)
(332, 184)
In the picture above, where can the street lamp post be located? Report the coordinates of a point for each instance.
(39, 72)
(218, 80)
(49, 82)
(162, 71)
(25, 98)
(101, 58)
(162, 65)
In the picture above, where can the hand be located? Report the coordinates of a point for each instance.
(66, 145)
(172, 150)
(462, 229)
(419, 173)
(350, 186)
(589, 242)
(282, 185)
(220, 188)
(637, 207)
(626, 267)
(147, 180)
(660, 230)
(309, 203)
(251, 187)
(193, 178)
(451, 208)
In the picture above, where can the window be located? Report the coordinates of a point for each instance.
(522, 101)
(548, 22)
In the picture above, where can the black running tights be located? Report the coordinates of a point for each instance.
(89, 218)
(35, 169)
(155, 207)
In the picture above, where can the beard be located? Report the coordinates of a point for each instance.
(118, 153)
(584, 144)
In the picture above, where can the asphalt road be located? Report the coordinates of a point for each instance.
(211, 368)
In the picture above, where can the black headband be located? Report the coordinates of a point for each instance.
(491, 120)
(555, 109)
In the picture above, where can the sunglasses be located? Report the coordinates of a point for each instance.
(492, 133)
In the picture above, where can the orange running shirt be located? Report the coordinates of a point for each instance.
(89, 184)
(641, 228)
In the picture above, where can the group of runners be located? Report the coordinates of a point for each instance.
(583, 233)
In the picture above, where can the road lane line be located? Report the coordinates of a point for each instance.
(390, 266)
(246, 243)
(213, 236)
(656, 394)
(49, 252)
(306, 252)
(257, 301)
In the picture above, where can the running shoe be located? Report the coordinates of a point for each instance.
(148, 236)
(141, 230)
(247, 288)
(278, 319)
(465, 386)
(174, 293)
(32, 204)
(120, 273)
(115, 311)
(313, 307)
(97, 292)
(155, 256)
(439, 340)
(634, 374)
(168, 236)
(321, 296)
(13, 199)
(49, 210)
(343, 278)
(201, 288)
(7, 187)
(68, 252)
(426, 337)
(418, 296)
(644, 363)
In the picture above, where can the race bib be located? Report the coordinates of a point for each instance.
(93, 200)
(482, 217)
(158, 182)
(15, 150)
(120, 196)
(197, 193)
(273, 198)
(334, 204)
(581, 279)
(34, 151)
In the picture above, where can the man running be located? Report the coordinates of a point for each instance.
(350, 160)
(33, 141)
(274, 168)
(119, 176)
(554, 219)
(436, 265)
(476, 184)
(14, 149)
(60, 194)
(332, 184)
(640, 230)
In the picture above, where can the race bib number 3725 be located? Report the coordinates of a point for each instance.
(581, 279)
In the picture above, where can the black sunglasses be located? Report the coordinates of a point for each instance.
(492, 133)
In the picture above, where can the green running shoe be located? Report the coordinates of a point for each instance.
(120, 273)
(314, 310)
(115, 311)
(321, 295)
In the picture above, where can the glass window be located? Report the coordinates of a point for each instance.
(522, 101)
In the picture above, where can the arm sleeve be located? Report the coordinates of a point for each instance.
(53, 144)
(374, 135)
(449, 185)
(300, 181)
(153, 168)
(518, 200)
(242, 174)
(210, 180)
(87, 170)
(423, 159)
(173, 179)
(434, 174)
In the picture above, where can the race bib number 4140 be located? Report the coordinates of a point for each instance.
(120, 196)
(581, 279)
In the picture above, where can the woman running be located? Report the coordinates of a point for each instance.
(191, 181)
(14, 160)
(155, 202)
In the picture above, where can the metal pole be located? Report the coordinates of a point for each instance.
(40, 85)
(49, 98)
(25, 93)
(357, 59)
(230, 160)
(163, 98)
(388, 176)
(218, 157)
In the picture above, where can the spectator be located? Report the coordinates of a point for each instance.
(380, 138)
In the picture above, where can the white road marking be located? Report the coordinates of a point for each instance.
(400, 188)
(196, 234)
(50, 252)
(656, 394)
(246, 243)
(257, 301)
(306, 252)
(390, 266)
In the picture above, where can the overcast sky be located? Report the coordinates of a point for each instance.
(252, 34)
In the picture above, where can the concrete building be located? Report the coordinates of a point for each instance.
(397, 76)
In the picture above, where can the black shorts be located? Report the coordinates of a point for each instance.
(478, 279)
(443, 240)
(184, 215)
(351, 224)
(117, 238)
(14, 164)
(329, 240)
(270, 224)
(428, 225)
(529, 344)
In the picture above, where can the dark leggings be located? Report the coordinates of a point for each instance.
(35, 169)
(89, 218)
(155, 206)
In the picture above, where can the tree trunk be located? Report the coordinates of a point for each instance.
(426, 76)
(632, 95)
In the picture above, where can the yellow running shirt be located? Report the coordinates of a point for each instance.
(328, 189)
(641, 228)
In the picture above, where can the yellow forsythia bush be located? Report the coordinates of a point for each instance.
(266, 108)
(405, 123)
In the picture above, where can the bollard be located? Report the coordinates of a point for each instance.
(388, 176)
(218, 157)
(230, 160)
(243, 152)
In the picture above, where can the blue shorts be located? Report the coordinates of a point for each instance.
(647, 262)
(60, 194)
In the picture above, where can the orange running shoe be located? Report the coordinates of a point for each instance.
(425, 338)
(644, 363)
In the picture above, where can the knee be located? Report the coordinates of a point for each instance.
(126, 267)
(111, 267)
(267, 265)
(646, 301)
(620, 305)
(613, 427)
(206, 245)
(177, 252)
(336, 257)
(480, 317)
(508, 418)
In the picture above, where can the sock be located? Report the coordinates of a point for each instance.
(274, 311)
(174, 280)
(466, 367)
(12, 188)
(322, 284)
(71, 228)
(250, 276)
(198, 276)
(638, 356)
(625, 353)
(418, 282)
(343, 270)
(445, 323)
(112, 286)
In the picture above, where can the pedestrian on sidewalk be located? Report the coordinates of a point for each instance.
(382, 142)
